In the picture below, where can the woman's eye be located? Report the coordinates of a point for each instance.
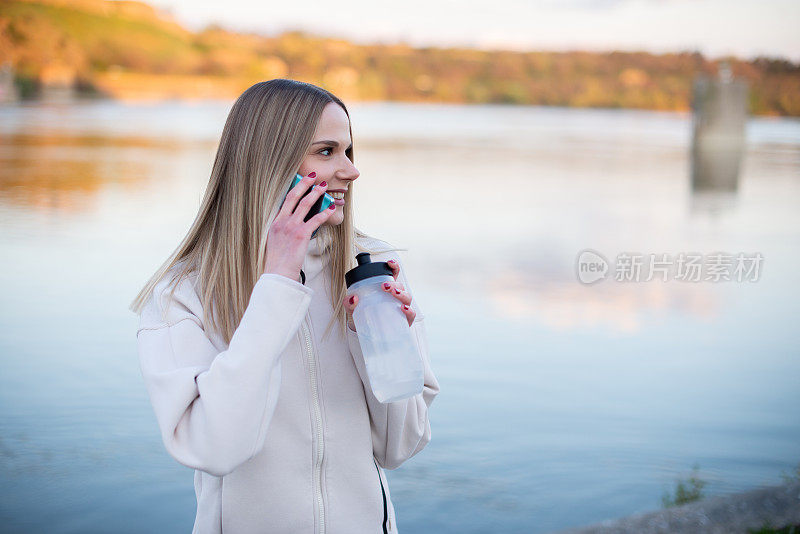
(324, 149)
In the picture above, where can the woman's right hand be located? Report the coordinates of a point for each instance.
(289, 235)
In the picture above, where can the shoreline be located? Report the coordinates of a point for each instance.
(775, 506)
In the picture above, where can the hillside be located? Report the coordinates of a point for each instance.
(130, 50)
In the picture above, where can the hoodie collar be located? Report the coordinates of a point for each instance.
(317, 257)
(317, 245)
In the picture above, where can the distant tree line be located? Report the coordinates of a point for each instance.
(91, 43)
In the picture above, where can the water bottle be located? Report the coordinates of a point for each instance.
(394, 366)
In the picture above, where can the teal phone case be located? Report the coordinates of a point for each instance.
(322, 202)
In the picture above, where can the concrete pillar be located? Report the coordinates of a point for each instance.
(719, 117)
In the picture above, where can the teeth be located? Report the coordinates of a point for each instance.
(338, 195)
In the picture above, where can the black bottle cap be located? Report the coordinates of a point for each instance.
(366, 268)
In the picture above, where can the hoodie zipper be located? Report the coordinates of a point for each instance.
(312, 367)
(383, 492)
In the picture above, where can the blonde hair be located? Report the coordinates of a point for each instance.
(266, 136)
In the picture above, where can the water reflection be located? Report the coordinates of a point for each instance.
(618, 308)
(65, 173)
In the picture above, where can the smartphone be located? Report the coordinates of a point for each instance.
(322, 202)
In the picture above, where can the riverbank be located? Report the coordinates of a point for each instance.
(776, 507)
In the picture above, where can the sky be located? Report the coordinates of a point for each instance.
(714, 27)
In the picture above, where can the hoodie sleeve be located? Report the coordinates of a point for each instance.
(213, 408)
(400, 429)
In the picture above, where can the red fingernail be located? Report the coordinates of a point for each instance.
(405, 307)
(386, 285)
(323, 184)
(332, 207)
(312, 174)
(352, 299)
(397, 291)
(391, 261)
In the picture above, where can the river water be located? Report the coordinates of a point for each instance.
(561, 404)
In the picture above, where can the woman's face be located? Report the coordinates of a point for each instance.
(327, 158)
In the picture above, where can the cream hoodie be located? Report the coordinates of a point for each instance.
(281, 427)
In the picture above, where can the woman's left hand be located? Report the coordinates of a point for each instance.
(395, 288)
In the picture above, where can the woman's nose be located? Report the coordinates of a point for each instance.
(350, 172)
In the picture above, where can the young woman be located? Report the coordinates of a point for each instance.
(275, 415)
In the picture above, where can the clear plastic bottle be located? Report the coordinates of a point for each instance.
(393, 363)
